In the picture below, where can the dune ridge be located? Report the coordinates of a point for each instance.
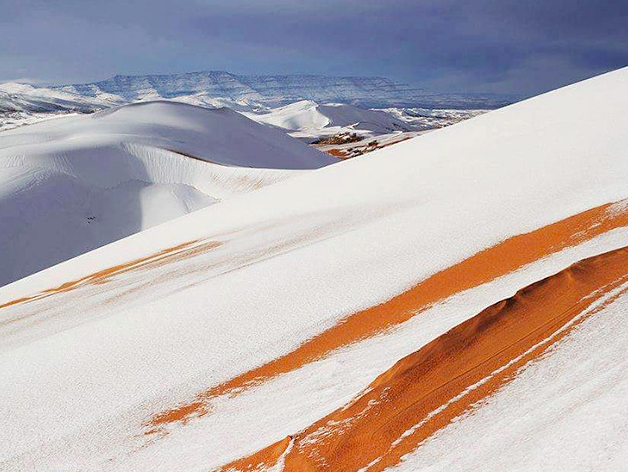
(324, 282)
(180, 251)
(483, 267)
(426, 390)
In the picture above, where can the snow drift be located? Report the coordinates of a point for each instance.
(262, 333)
(75, 183)
(308, 119)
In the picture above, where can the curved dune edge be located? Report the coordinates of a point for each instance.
(159, 258)
(426, 390)
(483, 267)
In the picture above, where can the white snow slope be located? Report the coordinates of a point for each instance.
(15, 97)
(22, 104)
(308, 119)
(83, 371)
(72, 184)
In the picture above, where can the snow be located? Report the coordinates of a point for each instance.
(25, 103)
(565, 412)
(16, 97)
(82, 370)
(73, 184)
(308, 119)
(253, 95)
(207, 134)
(274, 90)
(425, 118)
(292, 401)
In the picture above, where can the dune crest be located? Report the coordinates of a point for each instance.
(430, 388)
(487, 265)
(338, 320)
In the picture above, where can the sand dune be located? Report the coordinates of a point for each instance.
(72, 184)
(308, 119)
(430, 388)
(372, 313)
(481, 268)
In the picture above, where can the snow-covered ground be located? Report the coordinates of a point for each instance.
(276, 101)
(309, 120)
(15, 119)
(22, 104)
(368, 143)
(326, 126)
(27, 98)
(430, 118)
(87, 367)
(72, 184)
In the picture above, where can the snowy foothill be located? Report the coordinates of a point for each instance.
(72, 184)
(310, 120)
(16, 97)
(86, 369)
(345, 130)
(293, 103)
(22, 104)
(273, 90)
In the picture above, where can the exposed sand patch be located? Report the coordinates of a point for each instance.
(181, 251)
(483, 267)
(350, 149)
(337, 153)
(426, 390)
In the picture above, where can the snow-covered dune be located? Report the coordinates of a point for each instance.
(309, 119)
(326, 322)
(15, 97)
(75, 183)
(22, 104)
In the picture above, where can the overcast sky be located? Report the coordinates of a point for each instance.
(507, 46)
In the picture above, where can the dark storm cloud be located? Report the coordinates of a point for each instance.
(510, 46)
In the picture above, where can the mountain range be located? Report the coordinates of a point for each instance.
(274, 90)
(344, 101)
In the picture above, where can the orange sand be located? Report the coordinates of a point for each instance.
(337, 153)
(181, 251)
(483, 267)
(423, 392)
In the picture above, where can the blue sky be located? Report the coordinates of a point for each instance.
(502, 46)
